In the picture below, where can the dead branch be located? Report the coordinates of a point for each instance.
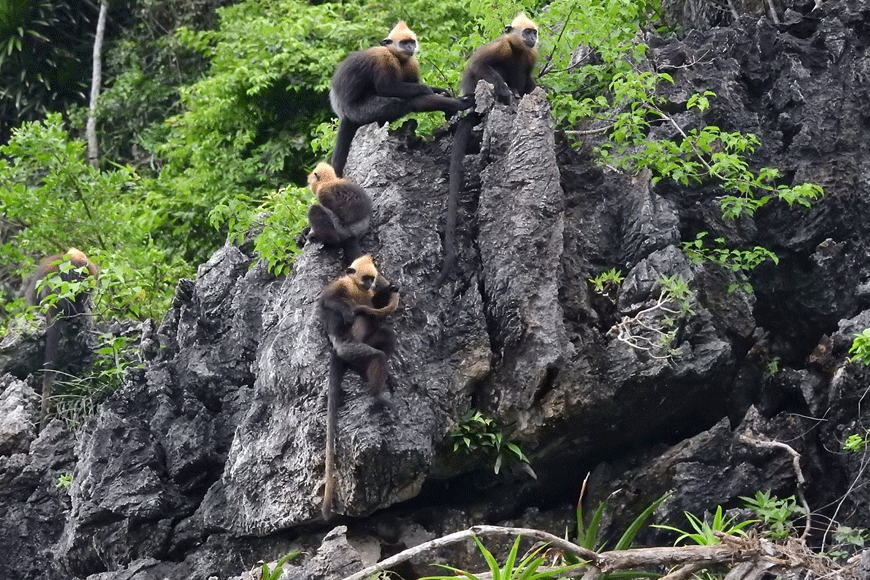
(751, 556)
(796, 464)
(453, 538)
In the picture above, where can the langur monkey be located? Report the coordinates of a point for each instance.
(506, 63)
(353, 308)
(342, 214)
(74, 266)
(380, 85)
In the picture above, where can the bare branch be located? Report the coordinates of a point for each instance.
(796, 464)
(751, 556)
(453, 538)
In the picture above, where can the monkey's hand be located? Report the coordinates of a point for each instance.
(440, 91)
(302, 238)
(503, 93)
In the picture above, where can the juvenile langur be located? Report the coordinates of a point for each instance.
(382, 84)
(353, 308)
(506, 63)
(74, 266)
(342, 214)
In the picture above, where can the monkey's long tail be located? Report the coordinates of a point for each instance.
(457, 155)
(336, 372)
(52, 343)
(343, 139)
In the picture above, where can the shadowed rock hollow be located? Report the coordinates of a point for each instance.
(211, 457)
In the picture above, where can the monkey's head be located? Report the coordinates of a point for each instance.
(523, 27)
(401, 40)
(80, 260)
(364, 274)
(323, 173)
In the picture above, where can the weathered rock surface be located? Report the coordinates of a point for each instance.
(211, 457)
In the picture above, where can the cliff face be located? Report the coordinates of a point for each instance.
(211, 457)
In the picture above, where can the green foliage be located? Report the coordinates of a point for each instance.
(776, 514)
(145, 66)
(741, 262)
(587, 535)
(607, 283)
(606, 29)
(276, 572)
(857, 443)
(75, 399)
(703, 531)
(44, 46)
(524, 569)
(278, 219)
(847, 541)
(860, 349)
(56, 200)
(698, 155)
(478, 432)
(64, 481)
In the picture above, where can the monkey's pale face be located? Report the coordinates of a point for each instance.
(525, 28)
(363, 273)
(406, 46)
(530, 37)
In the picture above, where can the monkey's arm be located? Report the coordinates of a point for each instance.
(394, 88)
(389, 308)
(491, 75)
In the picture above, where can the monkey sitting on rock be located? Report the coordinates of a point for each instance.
(380, 85)
(353, 308)
(342, 214)
(506, 63)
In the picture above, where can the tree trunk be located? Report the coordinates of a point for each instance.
(96, 81)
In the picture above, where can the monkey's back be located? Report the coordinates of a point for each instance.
(347, 200)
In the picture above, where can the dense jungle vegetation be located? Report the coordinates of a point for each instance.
(211, 113)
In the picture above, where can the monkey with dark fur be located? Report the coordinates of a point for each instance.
(353, 308)
(74, 266)
(380, 85)
(506, 63)
(342, 214)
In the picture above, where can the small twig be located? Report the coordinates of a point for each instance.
(590, 131)
(544, 68)
(733, 11)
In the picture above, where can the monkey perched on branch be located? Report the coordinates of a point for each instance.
(353, 308)
(506, 63)
(44, 286)
(380, 85)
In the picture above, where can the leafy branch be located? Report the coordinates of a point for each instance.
(697, 155)
(741, 262)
